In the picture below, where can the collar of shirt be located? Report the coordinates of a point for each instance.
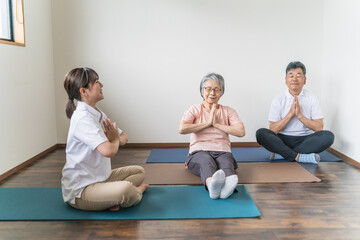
(82, 106)
(288, 94)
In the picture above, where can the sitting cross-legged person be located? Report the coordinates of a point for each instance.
(296, 122)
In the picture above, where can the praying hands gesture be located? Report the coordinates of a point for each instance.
(295, 111)
(236, 129)
(111, 131)
(110, 147)
(212, 116)
(295, 108)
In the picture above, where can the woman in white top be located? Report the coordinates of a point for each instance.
(88, 183)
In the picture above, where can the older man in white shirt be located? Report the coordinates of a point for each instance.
(296, 122)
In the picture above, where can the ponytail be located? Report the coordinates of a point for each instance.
(70, 108)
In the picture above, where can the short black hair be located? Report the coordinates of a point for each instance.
(295, 65)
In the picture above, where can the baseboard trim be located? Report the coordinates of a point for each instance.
(27, 162)
(154, 146)
(61, 145)
(344, 157)
(181, 145)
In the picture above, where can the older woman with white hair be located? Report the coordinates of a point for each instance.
(209, 125)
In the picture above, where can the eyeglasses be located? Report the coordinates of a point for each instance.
(209, 89)
(299, 75)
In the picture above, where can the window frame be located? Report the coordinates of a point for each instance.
(17, 26)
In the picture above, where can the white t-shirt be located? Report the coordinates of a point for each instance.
(84, 164)
(310, 108)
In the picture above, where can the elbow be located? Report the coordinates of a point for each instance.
(110, 154)
(319, 129)
(181, 131)
(241, 134)
(108, 149)
(274, 130)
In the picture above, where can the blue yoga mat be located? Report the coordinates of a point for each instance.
(185, 202)
(240, 154)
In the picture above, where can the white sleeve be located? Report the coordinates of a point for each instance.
(90, 132)
(275, 111)
(316, 112)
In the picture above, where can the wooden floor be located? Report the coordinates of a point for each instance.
(326, 210)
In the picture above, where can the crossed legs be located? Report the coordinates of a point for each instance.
(290, 146)
(122, 189)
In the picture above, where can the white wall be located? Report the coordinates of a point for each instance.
(341, 78)
(151, 56)
(28, 124)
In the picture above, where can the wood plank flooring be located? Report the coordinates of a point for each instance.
(326, 210)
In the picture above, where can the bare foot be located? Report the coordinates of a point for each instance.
(114, 209)
(143, 187)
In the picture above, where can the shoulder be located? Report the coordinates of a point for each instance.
(81, 118)
(227, 109)
(280, 98)
(194, 108)
(309, 94)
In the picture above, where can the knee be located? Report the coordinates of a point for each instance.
(329, 137)
(140, 175)
(128, 195)
(140, 170)
(260, 133)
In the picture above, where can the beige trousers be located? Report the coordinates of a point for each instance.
(120, 189)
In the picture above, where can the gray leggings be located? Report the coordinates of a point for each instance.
(206, 163)
(290, 146)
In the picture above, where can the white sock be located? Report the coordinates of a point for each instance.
(216, 183)
(275, 156)
(230, 184)
(309, 158)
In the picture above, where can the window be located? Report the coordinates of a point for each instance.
(12, 22)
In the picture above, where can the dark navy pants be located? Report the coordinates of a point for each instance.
(289, 146)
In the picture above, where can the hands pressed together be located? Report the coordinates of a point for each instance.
(111, 130)
(295, 108)
(212, 117)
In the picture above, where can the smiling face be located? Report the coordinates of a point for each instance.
(295, 80)
(95, 91)
(92, 94)
(211, 92)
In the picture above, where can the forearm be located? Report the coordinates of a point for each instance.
(315, 125)
(276, 127)
(109, 149)
(237, 130)
(123, 138)
(186, 128)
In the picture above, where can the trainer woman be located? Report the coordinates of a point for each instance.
(88, 183)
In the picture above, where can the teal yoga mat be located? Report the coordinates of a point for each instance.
(184, 202)
(178, 155)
